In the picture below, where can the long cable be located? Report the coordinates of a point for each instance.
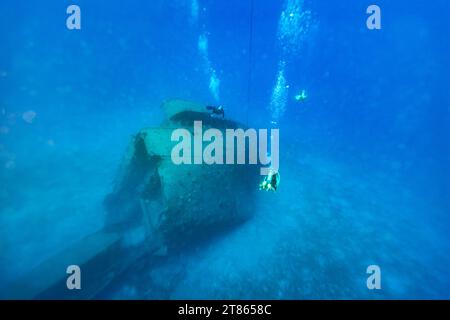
(250, 53)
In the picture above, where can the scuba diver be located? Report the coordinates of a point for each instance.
(270, 182)
(301, 96)
(216, 111)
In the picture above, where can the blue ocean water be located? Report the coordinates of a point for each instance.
(364, 160)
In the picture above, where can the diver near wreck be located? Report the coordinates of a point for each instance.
(216, 111)
(270, 182)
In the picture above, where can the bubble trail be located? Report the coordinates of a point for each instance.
(294, 27)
